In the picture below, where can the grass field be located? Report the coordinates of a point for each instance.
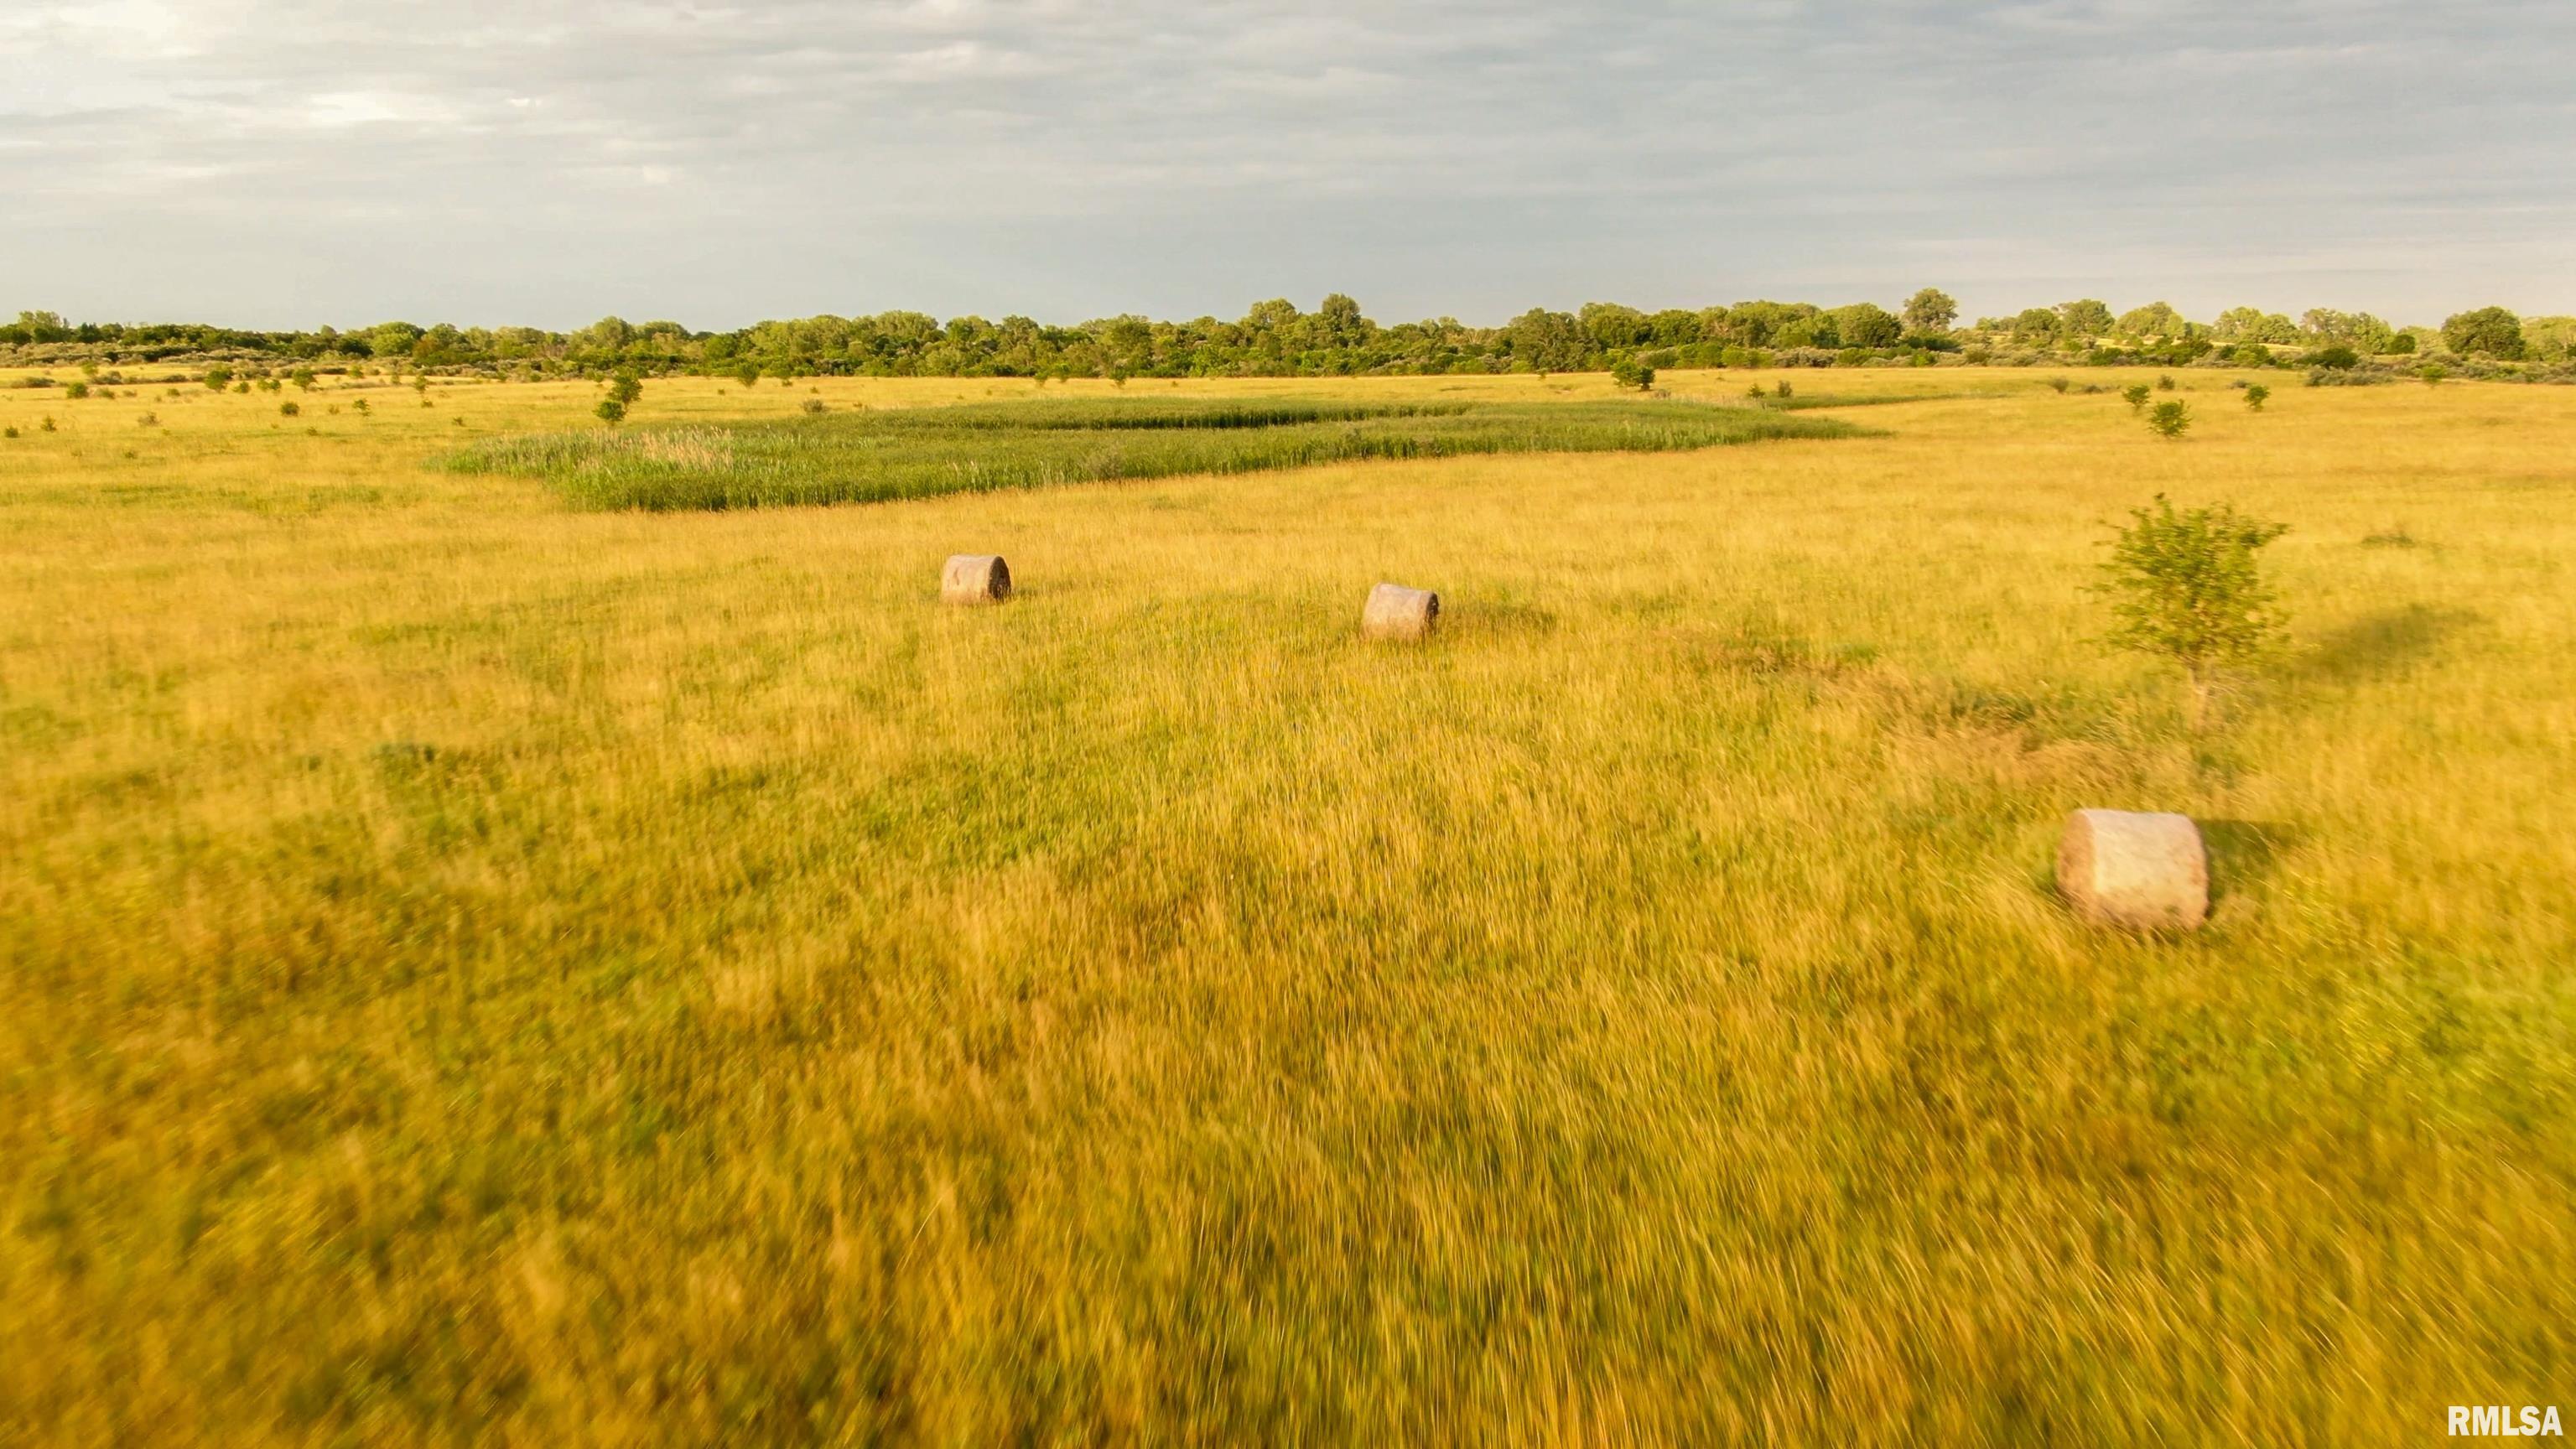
(480, 970)
(900, 453)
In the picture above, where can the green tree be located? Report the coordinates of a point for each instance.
(610, 410)
(2491, 331)
(2086, 318)
(1866, 324)
(2137, 394)
(2170, 420)
(1627, 371)
(218, 378)
(2186, 586)
(1931, 310)
(2256, 396)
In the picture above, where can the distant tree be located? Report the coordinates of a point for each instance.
(1866, 324)
(2156, 319)
(2402, 345)
(1627, 371)
(2488, 331)
(2186, 587)
(625, 388)
(2036, 324)
(2086, 318)
(2137, 394)
(2170, 420)
(2333, 355)
(2253, 324)
(302, 377)
(610, 410)
(1547, 341)
(218, 378)
(1930, 310)
(2256, 396)
(747, 374)
(77, 390)
(288, 410)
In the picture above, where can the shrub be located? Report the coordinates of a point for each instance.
(289, 410)
(2186, 587)
(2402, 345)
(360, 404)
(302, 377)
(2432, 372)
(218, 378)
(10, 432)
(2170, 420)
(816, 405)
(2164, 382)
(148, 420)
(2137, 395)
(1784, 390)
(610, 410)
(2060, 384)
(1629, 372)
(2256, 396)
(2334, 355)
(47, 425)
(77, 390)
(2250, 354)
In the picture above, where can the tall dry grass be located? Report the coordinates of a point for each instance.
(478, 972)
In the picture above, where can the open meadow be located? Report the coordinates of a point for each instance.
(485, 969)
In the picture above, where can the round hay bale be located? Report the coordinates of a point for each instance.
(2146, 872)
(975, 578)
(1396, 612)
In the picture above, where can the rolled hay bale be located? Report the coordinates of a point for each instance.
(1396, 612)
(2146, 872)
(975, 578)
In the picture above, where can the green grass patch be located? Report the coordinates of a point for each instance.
(867, 457)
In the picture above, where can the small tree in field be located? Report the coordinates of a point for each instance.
(218, 378)
(610, 410)
(2256, 396)
(1629, 372)
(2137, 394)
(2185, 587)
(2170, 420)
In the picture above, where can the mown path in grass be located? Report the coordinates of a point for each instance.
(867, 457)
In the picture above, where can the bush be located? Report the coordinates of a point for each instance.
(2170, 420)
(610, 410)
(2186, 588)
(2164, 382)
(2402, 345)
(2137, 394)
(816, 405)
(218, 378)
(2250, 354)
(77, 390)
(1629, 372)
(289, 410)
(2334, 355)
(2059, 384)
(2256, 396)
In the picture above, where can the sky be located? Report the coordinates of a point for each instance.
(287, 163)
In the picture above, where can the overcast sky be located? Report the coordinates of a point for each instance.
(292, 162)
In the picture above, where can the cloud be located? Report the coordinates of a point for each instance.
(297, 161)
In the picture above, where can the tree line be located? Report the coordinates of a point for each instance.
(1276, 339)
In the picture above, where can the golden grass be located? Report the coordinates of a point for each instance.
(479, 972)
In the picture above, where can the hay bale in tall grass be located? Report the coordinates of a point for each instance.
(1396, 612)
(2147, 872)
(975, 578)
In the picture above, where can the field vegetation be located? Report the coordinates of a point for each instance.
(484, 970)
(872, 456)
